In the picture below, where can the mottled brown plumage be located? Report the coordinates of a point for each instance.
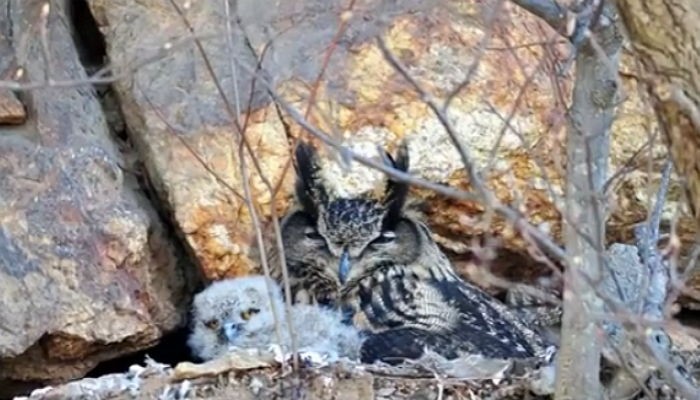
(381, 266)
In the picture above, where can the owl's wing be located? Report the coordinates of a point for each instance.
(393, 346)
(486, 323)
(447, 315)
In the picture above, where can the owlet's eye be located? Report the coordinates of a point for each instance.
(312, 234)
(212, 324)
(385, 237)
(245, 315)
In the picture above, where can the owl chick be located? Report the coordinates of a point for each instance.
(238, 312)
(370, 258)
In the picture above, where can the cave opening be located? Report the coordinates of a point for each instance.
(87, 35)
(92, 52)
(171, 350)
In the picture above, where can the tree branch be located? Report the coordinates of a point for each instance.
(548, 10)
(588, 144)
(647, 238)
(575, 23)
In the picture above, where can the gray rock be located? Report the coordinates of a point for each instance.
(86, 270)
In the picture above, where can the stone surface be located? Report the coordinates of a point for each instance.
(87, 272)
(173, 109)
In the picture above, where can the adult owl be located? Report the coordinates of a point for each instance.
(368, 257)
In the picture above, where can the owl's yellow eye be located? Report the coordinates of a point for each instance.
(212, 324)
(245, 315)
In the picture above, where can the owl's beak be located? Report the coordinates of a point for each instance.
(344, 267)
(231, 331)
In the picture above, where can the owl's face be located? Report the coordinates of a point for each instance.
(308, 257)
(228, 309)
(399, 246)
(329, 238)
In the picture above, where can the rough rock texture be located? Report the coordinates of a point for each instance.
(322, 55)
(86, 270)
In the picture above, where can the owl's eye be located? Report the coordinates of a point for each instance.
(312, 234)
(212, 324)
(245, 315)
(385, 237)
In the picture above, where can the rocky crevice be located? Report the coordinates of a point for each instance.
(89, 42)
(89, 271)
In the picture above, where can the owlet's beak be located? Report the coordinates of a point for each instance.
(344, 267)
(231, 331)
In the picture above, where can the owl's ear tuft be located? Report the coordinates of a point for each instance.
(396, 191)
(309, 191)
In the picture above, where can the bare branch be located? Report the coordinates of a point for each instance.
(467, 160)
(511, 215)
(107, 74)
(548, 10)
(243, 143)
(647, 237)
(229, 45)
(588, 143)
(490, 20)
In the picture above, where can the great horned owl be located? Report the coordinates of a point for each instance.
(370, 258)
(238, 312)
(320, 231)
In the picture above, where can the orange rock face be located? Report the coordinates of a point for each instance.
(509, 112)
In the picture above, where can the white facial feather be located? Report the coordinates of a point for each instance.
(227, 302)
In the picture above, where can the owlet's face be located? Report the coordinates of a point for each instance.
(328, 241)
(228, 309)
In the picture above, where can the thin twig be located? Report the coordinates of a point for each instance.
(243, 143)
(273, 190)
(494, 13)
(647, 236)
(344, 18)
(229, 45)
(259, 239)
(627, 166)
(44, 37)
(106, 75)
(467, 160)
(514, 217)
(171, 129)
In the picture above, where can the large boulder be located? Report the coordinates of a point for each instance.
(87, 272)
(324, 61)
